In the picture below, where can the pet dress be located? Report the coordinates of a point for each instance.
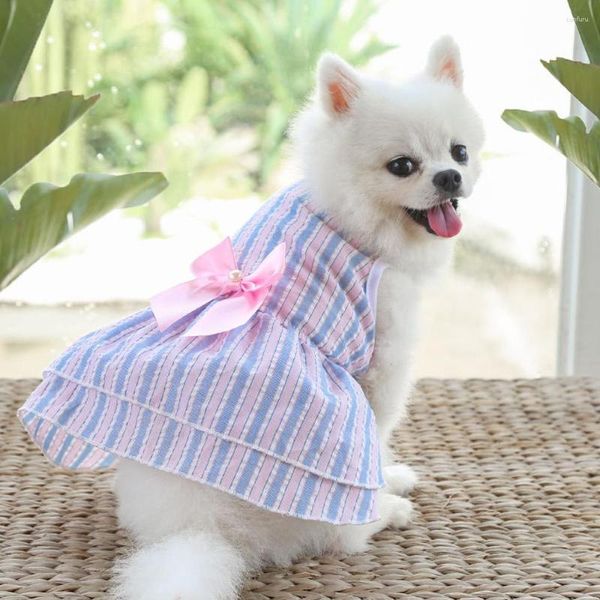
(270, 410)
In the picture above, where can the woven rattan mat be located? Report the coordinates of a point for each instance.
(508, 506)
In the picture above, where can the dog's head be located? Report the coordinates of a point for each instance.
(392, 161)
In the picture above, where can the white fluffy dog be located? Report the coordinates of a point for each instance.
(389, 162)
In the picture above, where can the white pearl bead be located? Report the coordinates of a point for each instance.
(235, 275)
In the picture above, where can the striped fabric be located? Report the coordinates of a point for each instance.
(270, 411)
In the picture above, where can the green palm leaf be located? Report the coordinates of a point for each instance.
(30, 125)
(568, 136)
(20, 24)
(581, 79)
(49, 214)
(586, 14)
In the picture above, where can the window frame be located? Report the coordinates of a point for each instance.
(579, 321)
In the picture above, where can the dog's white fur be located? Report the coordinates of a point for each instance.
(198, 543)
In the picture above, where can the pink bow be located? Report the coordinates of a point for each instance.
(217, 275)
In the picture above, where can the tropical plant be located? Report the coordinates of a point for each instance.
(46, 214)
(570, 135)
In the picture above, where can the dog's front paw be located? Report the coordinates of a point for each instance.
(402, 512)
(396, 511)
(400, 479)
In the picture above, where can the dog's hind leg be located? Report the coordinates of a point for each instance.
(399, 478)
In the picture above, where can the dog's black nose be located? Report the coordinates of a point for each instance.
(448, 180)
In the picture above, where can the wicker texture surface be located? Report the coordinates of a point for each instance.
(508, 505)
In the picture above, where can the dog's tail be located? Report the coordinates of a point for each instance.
(186, 566)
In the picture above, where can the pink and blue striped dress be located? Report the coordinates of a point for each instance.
(270, 411)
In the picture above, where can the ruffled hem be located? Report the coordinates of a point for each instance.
(81, 427)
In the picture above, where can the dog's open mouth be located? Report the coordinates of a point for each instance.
(442, 220)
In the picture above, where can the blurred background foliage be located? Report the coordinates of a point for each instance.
(202, 90)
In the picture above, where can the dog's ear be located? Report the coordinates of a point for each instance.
(444, 61)
(338, 84)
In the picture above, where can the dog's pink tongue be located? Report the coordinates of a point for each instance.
(444, 220)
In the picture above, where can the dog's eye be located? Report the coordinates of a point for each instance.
(459, 153)
(402, 166)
